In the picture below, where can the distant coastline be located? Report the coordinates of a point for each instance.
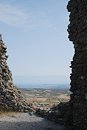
(44, 86)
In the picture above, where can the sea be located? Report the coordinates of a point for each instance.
(44, 86)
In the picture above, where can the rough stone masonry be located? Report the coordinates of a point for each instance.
(77, 120)
(10, 97)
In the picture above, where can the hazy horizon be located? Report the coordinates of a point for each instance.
(41, 79)
(44, 86)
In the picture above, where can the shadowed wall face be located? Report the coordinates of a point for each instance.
(78, 35)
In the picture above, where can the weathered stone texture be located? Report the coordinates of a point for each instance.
(10, 97)
(78, 34)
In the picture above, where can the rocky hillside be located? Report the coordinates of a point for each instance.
(10, 97)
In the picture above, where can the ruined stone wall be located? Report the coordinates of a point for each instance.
(78, 34)
(10, 97)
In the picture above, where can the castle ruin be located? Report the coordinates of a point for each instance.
(11, 99)
(78, 35)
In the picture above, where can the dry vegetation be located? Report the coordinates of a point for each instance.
(6, 113)
(45, 98)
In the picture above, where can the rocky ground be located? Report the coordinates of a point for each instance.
(24, 121)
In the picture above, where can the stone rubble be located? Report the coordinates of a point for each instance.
(11, 98)
(77, 114)
(57, 113)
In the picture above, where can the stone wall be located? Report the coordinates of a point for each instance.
(10, 97)
(77, 29)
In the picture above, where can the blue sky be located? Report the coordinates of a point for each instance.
(35, 33)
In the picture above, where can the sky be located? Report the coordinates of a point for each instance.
(35, 33)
